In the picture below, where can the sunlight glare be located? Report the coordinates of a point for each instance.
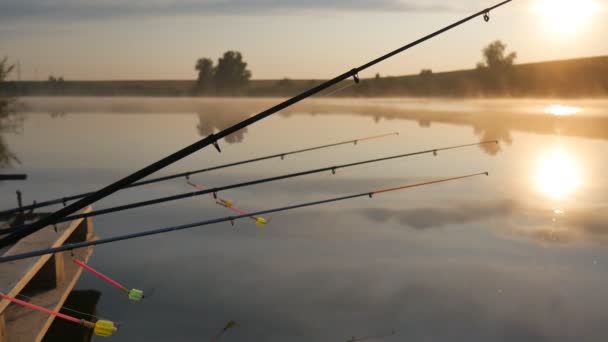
(559, 110)
(557, 174)
(565, 16)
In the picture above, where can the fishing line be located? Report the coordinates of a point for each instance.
(228, 204)
(30, 299)
(282, 156)
(214, 138)
(231, 219)
(350, 84)
(376, 337)
(101, 327)
(216, 190)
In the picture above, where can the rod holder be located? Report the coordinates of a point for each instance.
(19, 201)
(356, 76)
(215, 143)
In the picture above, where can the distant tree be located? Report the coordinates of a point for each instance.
(426, 84)
(9, 121)
(206, 73)
(52, 79)
(286, 82)
(5, 69)
(377, 75)
(494, 57)
(495, 71)
(231, 72)
(426, 72)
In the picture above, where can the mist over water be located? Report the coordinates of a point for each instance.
(520, 255)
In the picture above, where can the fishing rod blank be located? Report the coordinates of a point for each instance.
(214, 138)
(214, 191)
(64, 200)
(231, 219)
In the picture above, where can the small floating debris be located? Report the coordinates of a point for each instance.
(231, 324)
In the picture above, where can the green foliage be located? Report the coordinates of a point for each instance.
(495, 59)
(426, 72)
(286, 82)
(496, 70)
(9, 121)
(5, 69)
(206, 72)
(228, 77)
(53, 79)
(231, 72)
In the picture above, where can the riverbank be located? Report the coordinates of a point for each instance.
(575, 78)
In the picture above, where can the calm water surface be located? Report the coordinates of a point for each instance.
(520, 255)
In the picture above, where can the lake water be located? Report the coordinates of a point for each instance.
(520, 255)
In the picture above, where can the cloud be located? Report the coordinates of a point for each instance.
(80, 9)
(460, 213)
(518, 220)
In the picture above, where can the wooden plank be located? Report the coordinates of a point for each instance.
(59, 270)
(3, 334)
(26, 325)
(15, 275)
(46, 281)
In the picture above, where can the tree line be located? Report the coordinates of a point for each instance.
(230, 76)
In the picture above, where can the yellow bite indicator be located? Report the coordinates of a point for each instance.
(260, 221)
(101, 328)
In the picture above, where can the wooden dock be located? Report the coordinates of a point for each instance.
(47, 280)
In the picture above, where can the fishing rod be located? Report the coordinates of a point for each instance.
(101, 327)
(5, 177)
(231, 219)
(213, 139)
(64, 200)
(216, 190)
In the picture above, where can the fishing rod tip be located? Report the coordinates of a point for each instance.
(486, 173)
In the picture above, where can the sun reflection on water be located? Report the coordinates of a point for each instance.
(560, 110)
(558, 174)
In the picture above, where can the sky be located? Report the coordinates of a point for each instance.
(305, 39)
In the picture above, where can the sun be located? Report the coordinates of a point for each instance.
(565, 16)
(558, 174)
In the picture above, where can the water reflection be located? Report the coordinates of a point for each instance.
(85, 302)
(561, 110)
(490, 120)
(557, 174)
(209, 123)
(10, 122)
